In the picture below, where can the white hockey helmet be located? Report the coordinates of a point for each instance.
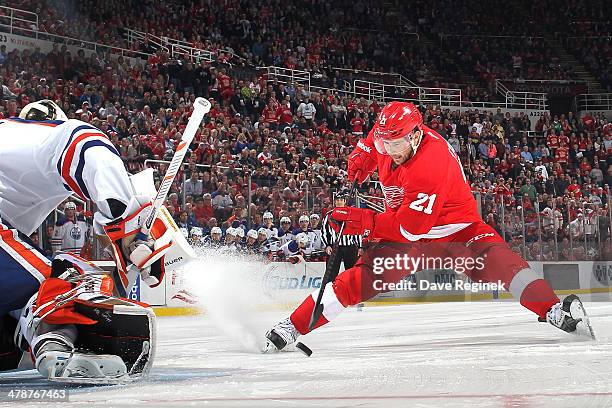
(215, 230)
(252, 234)
(44, 109)
(285, 220)
(196, 231)
(302, 238)
(70, 206)
(268, 215)
(304, 218)
(315, 217)
(231, 231)
(239, 232)
(262, 231)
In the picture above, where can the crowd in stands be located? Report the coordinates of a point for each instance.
(292, 143)
(594, 49)
(393, 36)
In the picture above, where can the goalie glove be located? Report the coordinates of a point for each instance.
(144, 256)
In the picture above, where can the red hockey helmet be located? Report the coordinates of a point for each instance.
(395, 125)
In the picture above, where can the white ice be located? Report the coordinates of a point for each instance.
(479, 354)
(421, 355)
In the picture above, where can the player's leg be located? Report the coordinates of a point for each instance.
(351, 287)
(22, 269)
(10, 354)
(502, 264)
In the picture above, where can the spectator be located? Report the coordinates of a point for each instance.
(222, 202)
(193, 186)
(307, 110)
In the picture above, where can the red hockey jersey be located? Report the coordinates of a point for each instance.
(427, 197)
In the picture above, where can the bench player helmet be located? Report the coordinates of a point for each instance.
(239, 232)
(215, 233)
(44, 109)
(196, 232)
(302, 239)
(395, 127)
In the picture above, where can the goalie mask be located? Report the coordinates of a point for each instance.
(44, 109)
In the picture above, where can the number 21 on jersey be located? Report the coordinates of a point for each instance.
(422, 198)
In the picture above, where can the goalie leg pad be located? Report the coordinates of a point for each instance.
(57, 360)
(78, 327)
(124, 328)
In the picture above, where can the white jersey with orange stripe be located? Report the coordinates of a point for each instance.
(43, 162)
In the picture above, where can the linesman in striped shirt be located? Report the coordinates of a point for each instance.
(348, 246)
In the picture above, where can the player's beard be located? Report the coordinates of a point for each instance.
(401, 157)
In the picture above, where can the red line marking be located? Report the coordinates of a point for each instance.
(386, 397)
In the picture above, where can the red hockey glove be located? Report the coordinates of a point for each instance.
(360, 163)
(358, 221)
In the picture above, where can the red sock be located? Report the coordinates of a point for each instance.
(538, 297)
(301, 316)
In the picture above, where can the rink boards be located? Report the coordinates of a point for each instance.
(287, 284)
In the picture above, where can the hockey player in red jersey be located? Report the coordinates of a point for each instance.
(430, 212)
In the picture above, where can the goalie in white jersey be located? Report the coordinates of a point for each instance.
(44, 159)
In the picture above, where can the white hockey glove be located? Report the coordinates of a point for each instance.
(166, 249)
(144, 257)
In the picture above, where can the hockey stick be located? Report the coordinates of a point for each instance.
(201, 107)
(317, 311)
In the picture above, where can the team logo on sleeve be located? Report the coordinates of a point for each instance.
(393, 196)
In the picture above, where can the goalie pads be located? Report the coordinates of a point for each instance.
(166, 249)
(79, 333)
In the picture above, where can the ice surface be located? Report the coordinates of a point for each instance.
(423, 355)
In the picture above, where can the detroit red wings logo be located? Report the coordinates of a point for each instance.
(393, 196)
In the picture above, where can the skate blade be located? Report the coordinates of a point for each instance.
(125, 379)
(269, 348)
(584, 327)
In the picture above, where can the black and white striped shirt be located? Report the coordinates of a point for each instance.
(329, 235)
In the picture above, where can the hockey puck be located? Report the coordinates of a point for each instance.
(303, 348)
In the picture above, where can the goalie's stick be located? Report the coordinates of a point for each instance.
(201, 107)
(317, 311)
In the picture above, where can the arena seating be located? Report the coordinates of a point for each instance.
(296, 162)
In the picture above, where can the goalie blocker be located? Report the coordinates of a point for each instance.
(78, 332)
(165, 250)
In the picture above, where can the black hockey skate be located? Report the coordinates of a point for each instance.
(569, 315)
